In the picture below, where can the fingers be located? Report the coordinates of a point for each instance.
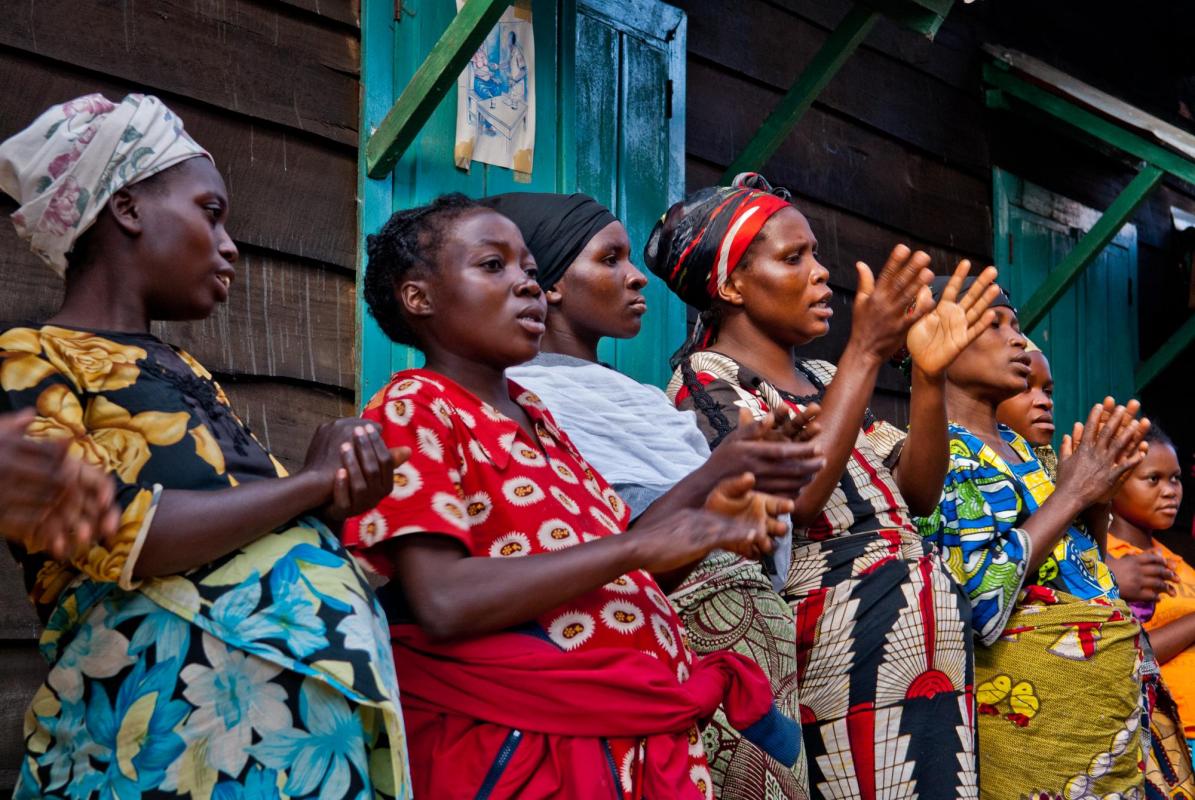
(955, 284)
(14, 424)
(1105, 436)
(977, 305)
(777, 506)
(751, 428)
(400, 455)
(923, 303)
(897, 259)
(974, 331)
(802, 426)
(736, 487)
(341, 493)
(350, 464)
(867, 282)
(981, 294)
(915, 271)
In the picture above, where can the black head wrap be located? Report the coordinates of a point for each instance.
(556, 227)
(1002, 299)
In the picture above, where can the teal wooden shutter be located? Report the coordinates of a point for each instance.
(603, 127)
(1090, 335)
(628, 124)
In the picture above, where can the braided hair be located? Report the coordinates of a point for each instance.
(407, 244)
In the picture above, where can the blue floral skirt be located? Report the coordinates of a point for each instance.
(141, 702)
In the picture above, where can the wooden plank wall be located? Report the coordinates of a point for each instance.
(270, 87)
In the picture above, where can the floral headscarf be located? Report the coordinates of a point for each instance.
(63, 168)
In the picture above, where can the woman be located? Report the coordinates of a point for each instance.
(222, 641)
(883, 641)
(1147, 503)
(1054, 636)
(537, 653)
(658, 460)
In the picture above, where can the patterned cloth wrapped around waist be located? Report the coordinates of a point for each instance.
(1063, 681)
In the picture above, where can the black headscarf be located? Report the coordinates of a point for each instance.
(556, 227)
(1002, 299)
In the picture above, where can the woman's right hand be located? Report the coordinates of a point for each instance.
(690, 535)
(1143, 577)
(887, 306)
(1099, 454)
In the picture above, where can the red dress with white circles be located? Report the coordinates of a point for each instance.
(476, 475)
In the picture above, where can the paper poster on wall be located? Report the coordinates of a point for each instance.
(495, 106)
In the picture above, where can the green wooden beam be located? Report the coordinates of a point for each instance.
(430, 83)
(849, 34)
(998, 76)
(1091, 245)
(1166, 354)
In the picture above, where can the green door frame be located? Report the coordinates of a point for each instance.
(1157, 161)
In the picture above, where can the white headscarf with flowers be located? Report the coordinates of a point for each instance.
(63, 168)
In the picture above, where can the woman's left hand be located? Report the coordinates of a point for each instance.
(366, 474)
(937, 339)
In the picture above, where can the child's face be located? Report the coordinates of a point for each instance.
(1031, 413)
(1151, 496)
(482, 302)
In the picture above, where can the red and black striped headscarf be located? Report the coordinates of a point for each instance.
(698, 244)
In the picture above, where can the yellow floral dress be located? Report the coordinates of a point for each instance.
(266, 673)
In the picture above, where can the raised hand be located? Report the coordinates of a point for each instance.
(736, 497)
(887, 306)
(946, 329)
(1096, 467)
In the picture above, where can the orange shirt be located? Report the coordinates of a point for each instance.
(1179, 672)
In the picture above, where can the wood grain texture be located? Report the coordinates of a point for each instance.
(841, 164)
(877, 90)
(18, 621)
(289, 192)
(347, 12)
(24, 670)
(284, 416)
(249, 57)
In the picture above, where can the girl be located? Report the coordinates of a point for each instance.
(538, 654)
(659, 461)
(1054, 635)
(1149, 502)
(221, 641)
(883, 640)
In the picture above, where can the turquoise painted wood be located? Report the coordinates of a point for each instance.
(601, 127)
(1090, 334)
(628, 118)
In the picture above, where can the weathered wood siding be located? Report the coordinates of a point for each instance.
(270, 87)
